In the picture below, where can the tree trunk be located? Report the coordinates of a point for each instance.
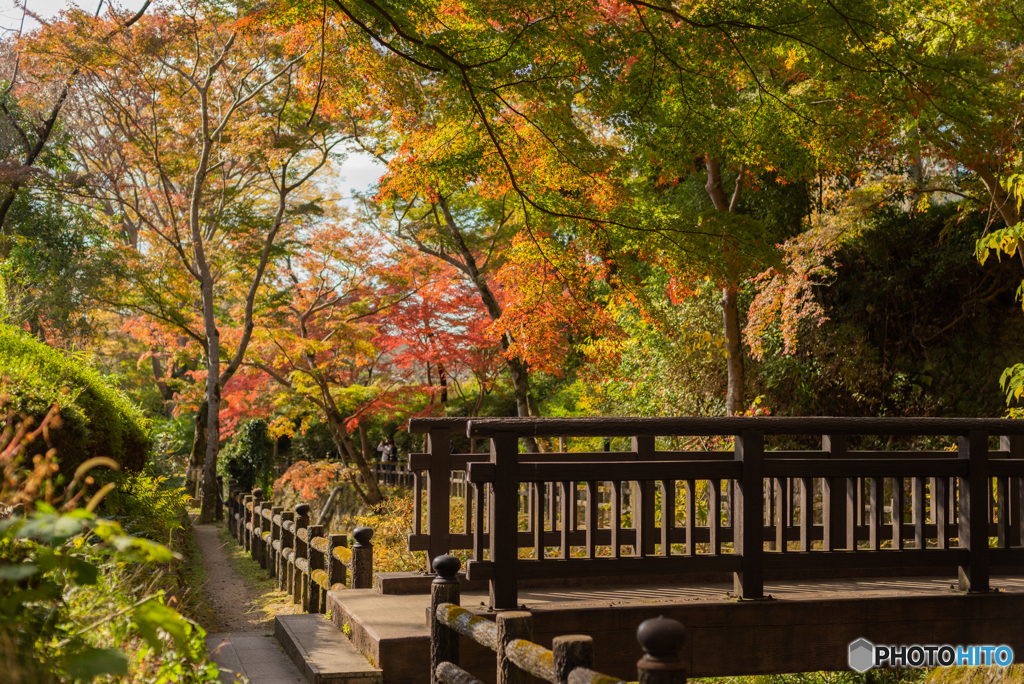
(734, 349)
(1003, 202)
(730, 312)
(197, 457)
(517, 368)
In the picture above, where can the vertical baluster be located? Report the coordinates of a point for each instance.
(781, 485)
(874, 512)
(851, 513)
(806, 512)
(668, 515)
(689, 510)
(940, 511)
(564, 503)
(917, 496)
(479, 538)
(592, 519)
(898, 484)
(537, 520)
(642, 525)
(714, 516)
(615, 521)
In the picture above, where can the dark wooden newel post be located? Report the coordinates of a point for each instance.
(301, 551)
(438, 493)
(444, 641)
(662, 639)
(748, 517)
(504, 520)
(335, 567)
(973, 509)
(362, 558)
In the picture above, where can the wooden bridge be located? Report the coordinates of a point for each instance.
(775, 558)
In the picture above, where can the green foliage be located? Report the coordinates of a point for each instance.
(249, 457)
(98, 420)
(912, 327)
(145, 504)
(75, 604)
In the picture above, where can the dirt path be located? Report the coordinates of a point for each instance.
(234, 602)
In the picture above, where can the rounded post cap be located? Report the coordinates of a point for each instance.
(302, 510)
(447, 569)
(362, 535)
(661, 638)
(258, 493)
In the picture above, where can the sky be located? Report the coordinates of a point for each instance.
(358, 172)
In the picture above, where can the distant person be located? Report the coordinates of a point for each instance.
(392, 462)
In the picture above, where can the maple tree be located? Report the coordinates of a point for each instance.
(197, 147)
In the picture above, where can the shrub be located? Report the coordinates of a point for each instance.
(97, 420)
(249, 457)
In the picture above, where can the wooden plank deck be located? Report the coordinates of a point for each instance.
(805, 626)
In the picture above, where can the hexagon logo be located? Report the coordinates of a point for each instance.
(862, 655)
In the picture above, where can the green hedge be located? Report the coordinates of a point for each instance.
(98, 420)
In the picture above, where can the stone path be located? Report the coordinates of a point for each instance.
(246, 649)
(257, 658)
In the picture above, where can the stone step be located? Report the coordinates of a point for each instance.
(321, 652)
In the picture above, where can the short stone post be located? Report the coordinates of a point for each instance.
(444, 641)
(662, 639)
(287, 544)
(513, 624)
(301, 551)
(275, 536)
(572, 651)
(335, 567)
(362, 558)
(316, 562)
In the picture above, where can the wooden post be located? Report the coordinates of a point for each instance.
(444, 641)
(219, 515)
(513, 624)
(232, 506)
(301, 521)
(748, 522)
(438, 493)
(572, 651)
(644, 446)
(504, 521)
(256, 540)
(316, 562)
(287, 542)
(335, 567)
(837, 497)
(275, 535)
(243, 531)
(662, 639)
(362, 558)
(973, 507)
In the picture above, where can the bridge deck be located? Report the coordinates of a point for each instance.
(806, 626)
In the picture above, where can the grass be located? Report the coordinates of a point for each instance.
(269, 600)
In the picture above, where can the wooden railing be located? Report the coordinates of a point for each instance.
(744, 511)
(519, 659)
(306, 562)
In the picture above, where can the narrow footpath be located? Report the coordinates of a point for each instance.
(245, 648)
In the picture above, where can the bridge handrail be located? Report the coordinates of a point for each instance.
(519, 658)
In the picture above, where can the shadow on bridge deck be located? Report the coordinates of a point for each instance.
(805, 626)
